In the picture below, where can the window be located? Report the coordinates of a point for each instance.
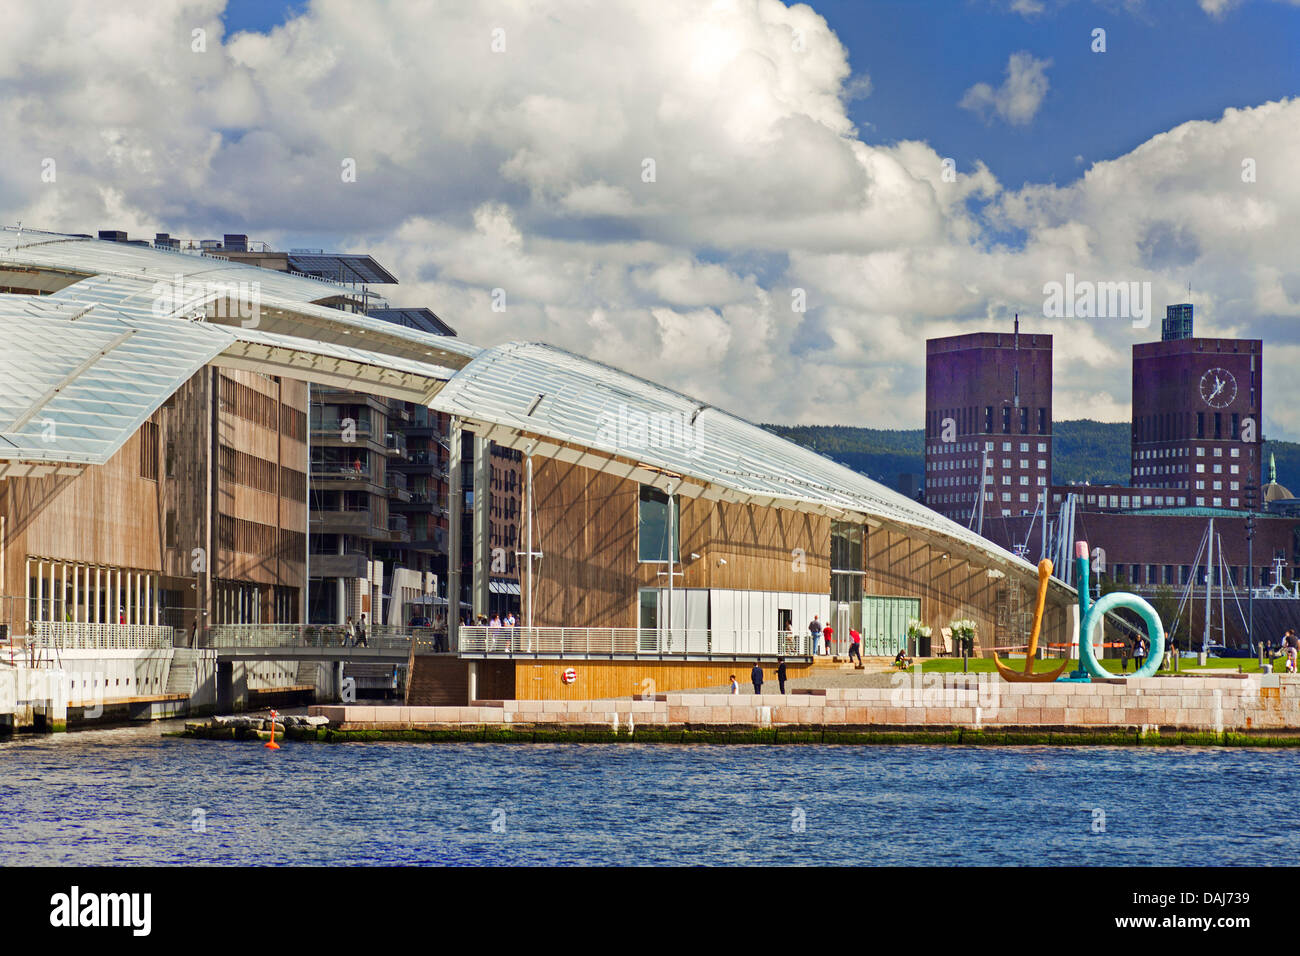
(149, 451)
(652, 526)
(649, 610)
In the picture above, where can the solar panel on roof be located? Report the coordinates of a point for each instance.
(414, 318)
(342, 267)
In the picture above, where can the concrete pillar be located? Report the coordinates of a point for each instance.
(482, 529)
(50, 615)
(473, 682)
(63, 591)
(455, 507)
(40, 591)
(27, 595)
(97, 617)
(76, 594)
(115, 610)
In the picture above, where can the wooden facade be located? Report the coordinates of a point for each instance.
(166, 501)
(586, 526)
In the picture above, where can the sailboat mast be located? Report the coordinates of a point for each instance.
(1209, 587)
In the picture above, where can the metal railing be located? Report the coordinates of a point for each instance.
(70, 636)
(631, 641)
(320, 635)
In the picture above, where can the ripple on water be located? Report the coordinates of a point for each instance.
(130, 796)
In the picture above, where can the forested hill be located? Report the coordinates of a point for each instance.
(1097, 452)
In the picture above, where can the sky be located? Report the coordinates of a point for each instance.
(769, 207)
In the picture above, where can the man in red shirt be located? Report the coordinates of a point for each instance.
(855, 647)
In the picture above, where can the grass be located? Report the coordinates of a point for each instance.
(1186, 665)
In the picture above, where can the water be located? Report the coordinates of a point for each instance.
(129, 796)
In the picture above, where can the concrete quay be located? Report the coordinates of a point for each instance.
(939, 707)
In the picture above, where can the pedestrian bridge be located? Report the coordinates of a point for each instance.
(320, 642)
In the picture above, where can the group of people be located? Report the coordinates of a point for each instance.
(1136, 647)
(1290, 647)
(756, 677)
(823, 634)
(354, 634)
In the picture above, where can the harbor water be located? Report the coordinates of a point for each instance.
(133, 796)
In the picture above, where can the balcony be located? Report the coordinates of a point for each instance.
(355, 522)
(395, 444)
(350, 565)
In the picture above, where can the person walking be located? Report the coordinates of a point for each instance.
(1140, 652)
(349, 633)
(361, 632)
(735, 685)
(756, 675)
(855, 646)
(827, 633)
(780, 673)
(815, 632)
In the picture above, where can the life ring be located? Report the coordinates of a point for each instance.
(569, 675)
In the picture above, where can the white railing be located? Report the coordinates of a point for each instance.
(632, 641)
(70, 636)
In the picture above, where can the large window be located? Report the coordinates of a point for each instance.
(652, 526)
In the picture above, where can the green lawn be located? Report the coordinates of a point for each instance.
(983, 665)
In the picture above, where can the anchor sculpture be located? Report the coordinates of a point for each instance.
(1044, 573)
(1091, 616)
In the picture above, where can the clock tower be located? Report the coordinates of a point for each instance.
(1196, 419)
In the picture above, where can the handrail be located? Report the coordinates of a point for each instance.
(73, 635)
(633, 641)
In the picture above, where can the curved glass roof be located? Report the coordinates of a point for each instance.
(86, 365)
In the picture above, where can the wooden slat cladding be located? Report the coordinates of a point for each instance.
(586, 526)
(590, 575)
(766, 549)
(251, 471)
(243, 400)
(146, 508)
(541, 680)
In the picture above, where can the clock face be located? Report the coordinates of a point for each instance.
(1218, 388)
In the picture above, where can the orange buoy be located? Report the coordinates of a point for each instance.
(271, 744)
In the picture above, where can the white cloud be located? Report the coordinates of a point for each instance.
(523, 171)
(1017, 100)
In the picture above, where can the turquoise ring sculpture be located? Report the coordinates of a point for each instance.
(1092, 614)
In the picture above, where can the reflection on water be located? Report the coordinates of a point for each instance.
(131, 796)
